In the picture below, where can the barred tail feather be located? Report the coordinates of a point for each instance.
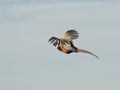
(88, 52)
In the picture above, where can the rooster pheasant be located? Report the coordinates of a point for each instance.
(65, 43)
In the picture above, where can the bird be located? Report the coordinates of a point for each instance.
(65, 43)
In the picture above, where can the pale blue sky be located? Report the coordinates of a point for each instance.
(53, 1)
(29, 62)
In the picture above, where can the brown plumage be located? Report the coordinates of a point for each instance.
(65, 44)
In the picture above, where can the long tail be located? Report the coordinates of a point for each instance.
(88, 52)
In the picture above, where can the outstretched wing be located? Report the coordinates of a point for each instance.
(70, 35)
(54, 40)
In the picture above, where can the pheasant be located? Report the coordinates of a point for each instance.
(65, 43)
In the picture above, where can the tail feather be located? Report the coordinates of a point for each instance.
(88, 52)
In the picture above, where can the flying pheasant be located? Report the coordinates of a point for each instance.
(65, 43)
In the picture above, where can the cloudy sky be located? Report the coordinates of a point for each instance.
(29, 62)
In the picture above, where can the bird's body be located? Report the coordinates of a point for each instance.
(66, 47)
(65, 44)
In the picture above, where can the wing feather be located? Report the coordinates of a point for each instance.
(70, 35)
(54, 40)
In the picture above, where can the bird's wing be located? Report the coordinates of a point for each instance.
(54, 40)
(88, 52)
(70, 35)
